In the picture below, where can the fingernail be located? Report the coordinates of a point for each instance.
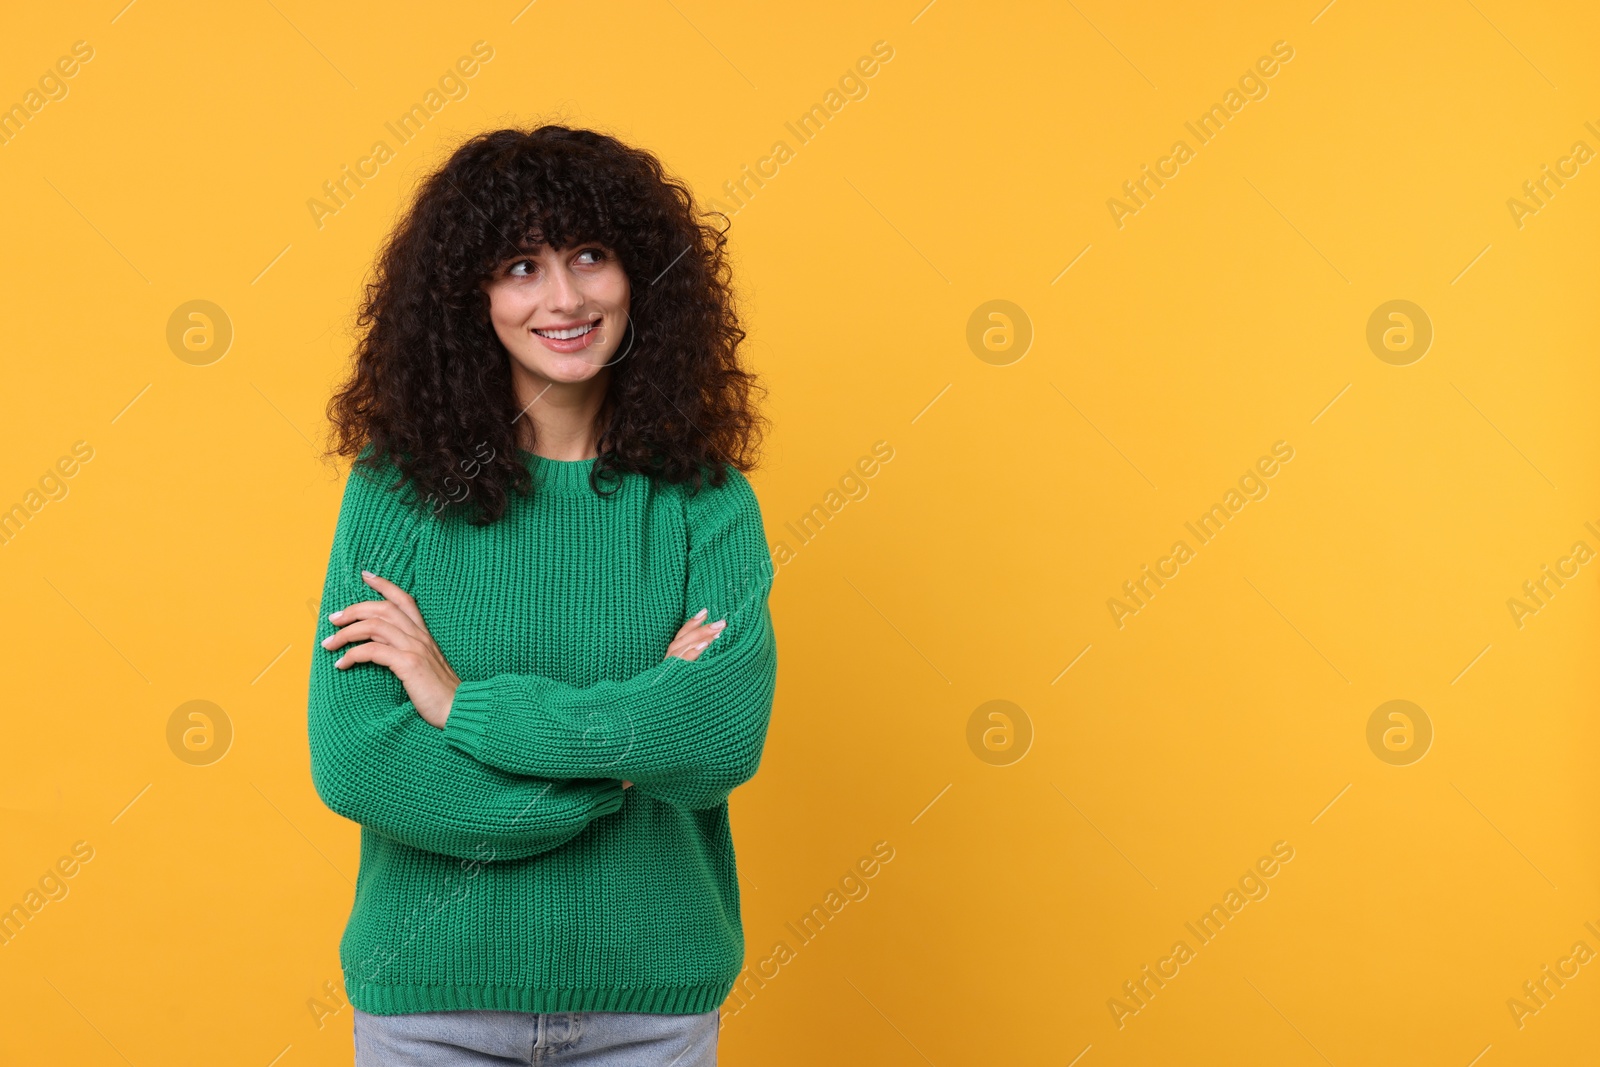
(700, 613)
(327, 639)
(335, 616)
(719, 624)
(368, 574)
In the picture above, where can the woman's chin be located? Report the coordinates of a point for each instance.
(567, 369)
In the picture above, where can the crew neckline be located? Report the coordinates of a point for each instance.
(560, 475)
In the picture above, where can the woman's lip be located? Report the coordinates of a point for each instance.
(571, 344)
(568, 325)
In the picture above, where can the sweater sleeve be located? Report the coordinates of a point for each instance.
(684, 732)
(376, 761)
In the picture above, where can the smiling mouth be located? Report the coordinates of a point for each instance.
(568, 334)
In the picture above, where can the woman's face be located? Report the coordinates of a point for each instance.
(561, 315)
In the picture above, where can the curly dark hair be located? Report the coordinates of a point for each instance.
(431, 383)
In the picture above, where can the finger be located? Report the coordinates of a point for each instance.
(373, 652)
(394, 593)
(700, 631)
(692, 623)
(377, 629)
(690, 648)
(378, 609)
(685, 632)
(681, 643)
(689, 639)
(705, 633)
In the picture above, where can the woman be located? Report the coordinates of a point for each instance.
(547, 652)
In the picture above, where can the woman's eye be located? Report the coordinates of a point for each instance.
(523, 268)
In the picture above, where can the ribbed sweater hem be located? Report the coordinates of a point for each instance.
(659, 1000)
(469, 714)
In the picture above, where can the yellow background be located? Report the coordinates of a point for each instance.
(1229, 313)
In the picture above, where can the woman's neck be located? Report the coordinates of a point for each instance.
(560, 420)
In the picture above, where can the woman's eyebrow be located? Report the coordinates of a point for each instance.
(531, 250)
(506, 258)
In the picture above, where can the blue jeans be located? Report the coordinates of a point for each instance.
(563, 1039)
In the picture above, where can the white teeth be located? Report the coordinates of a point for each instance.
(567, 335)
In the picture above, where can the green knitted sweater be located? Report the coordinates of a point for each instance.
(503, 865)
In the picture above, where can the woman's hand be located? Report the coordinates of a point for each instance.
(690, 641)
(396, 638)
(693, 637)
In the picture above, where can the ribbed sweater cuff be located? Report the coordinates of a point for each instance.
(468, 721)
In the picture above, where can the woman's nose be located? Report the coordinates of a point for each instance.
(563, 290)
